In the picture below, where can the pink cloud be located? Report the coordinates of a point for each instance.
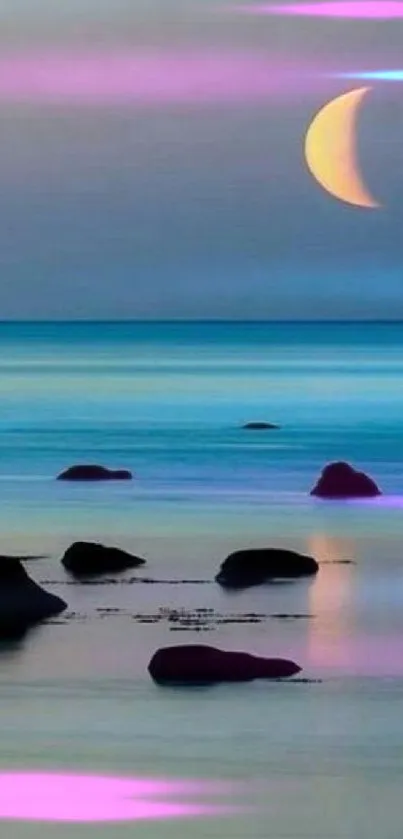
(366, 9)
(147, 78)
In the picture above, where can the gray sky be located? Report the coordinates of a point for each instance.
(193, 200)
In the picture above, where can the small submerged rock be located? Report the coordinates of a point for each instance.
(259, 426)
(93, 472)
(195, 664)
(91, 558)
(341, 480)
(260, 565)
(23, 603)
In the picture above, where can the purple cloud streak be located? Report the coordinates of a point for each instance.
(149, 78)
(364, 9)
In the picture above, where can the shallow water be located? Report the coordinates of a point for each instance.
(313, 760)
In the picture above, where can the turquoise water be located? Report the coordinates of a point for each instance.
(168, 401)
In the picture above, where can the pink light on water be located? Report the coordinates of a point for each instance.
(53, 797)
(369, 656)
(380, 501)
(367, 9)
(147, 77)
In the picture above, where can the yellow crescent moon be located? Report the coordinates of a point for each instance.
(331, 149)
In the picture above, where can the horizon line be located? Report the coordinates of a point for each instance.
(199, 320)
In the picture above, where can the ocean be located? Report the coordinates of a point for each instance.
(167, 401)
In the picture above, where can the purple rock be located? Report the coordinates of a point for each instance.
(340, 480)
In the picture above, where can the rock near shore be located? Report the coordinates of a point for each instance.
(195, 664)
(91, 558)
(23, 603)
(255, 566)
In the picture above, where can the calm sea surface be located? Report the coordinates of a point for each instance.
(315, 761)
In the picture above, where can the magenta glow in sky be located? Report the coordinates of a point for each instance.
(148, 77)
(366, 9)
(29, 796)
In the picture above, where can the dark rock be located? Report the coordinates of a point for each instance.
(12, 631)
(92, 472)
(254, 566)
(340, 480)
(91, 558)
(23, 602)
(199, 664)
(259, 426)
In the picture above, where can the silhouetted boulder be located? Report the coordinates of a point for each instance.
(260, 565)
(199, 664)
(92, 472)
(12, 631)
(91, 558)
(340, 480)
(23, 602)
(259, 426)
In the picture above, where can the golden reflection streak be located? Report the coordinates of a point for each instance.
(331, 601)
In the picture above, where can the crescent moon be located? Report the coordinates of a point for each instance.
(331, 150)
